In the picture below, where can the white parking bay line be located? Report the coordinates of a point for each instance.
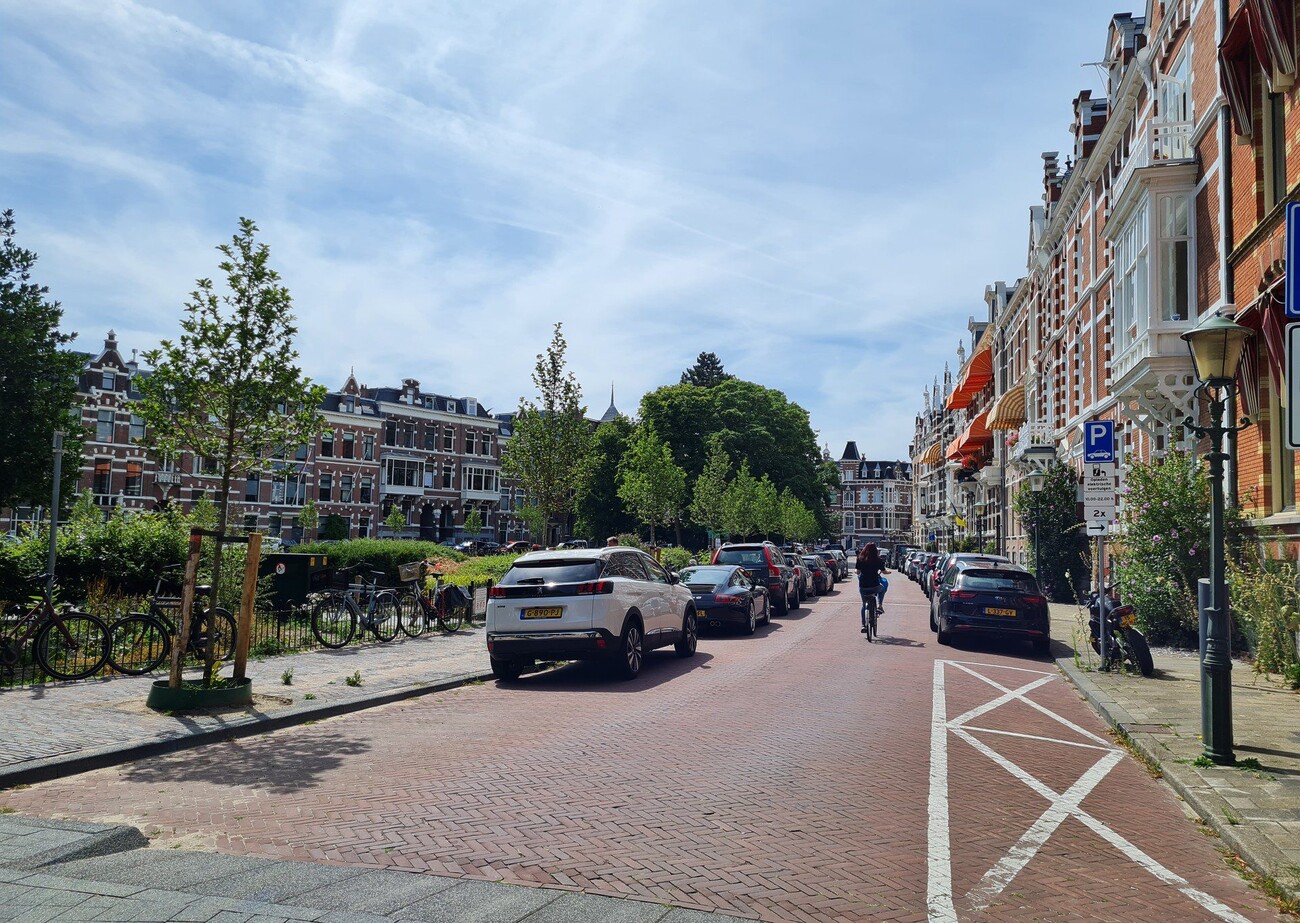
(938, 890)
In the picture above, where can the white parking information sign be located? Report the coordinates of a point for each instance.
(1099, 499)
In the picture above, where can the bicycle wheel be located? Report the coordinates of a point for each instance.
(216, 627)
(72, 645)
(410, 614)
(333, 622)
(386, 617)
(871, 617)
(138, 644)
(450, 618)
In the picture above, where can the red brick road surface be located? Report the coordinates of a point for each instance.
(784, 776)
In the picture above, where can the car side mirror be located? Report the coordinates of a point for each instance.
(674, 577)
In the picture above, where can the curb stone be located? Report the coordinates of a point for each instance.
(1261, 856)
(86, 760)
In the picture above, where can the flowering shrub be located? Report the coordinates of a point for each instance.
(1164, 546)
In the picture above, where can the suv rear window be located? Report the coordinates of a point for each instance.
(1000, 581)
(556, 570)
(750, 556)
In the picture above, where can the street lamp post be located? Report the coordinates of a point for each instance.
(1037, 480)
(54, 509)
(1216, 345)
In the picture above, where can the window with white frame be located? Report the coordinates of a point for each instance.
(1131, 281)
(480, 479)
(1175, 229)
(403, 472)
(104, 426)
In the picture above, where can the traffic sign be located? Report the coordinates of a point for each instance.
(1098, 526)
(1293, 259)
(1099, 440)
(1099, 501)
(1293, 381)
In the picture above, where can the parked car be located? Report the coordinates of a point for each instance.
(520, 547)
(997, 599)
(832, 566)
(819, 573)
(843, 560)
(802, 573)
(766, 565)
(960, 559)
(571, 544)
(586, 604)
(725, 594)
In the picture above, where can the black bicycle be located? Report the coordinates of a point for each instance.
(66, 644)
(338, 612)
(448, 605)
(142, 641)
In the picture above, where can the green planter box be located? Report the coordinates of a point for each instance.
(188, 698)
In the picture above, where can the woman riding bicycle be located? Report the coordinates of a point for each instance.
(871, 570)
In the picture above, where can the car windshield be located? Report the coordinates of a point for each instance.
(741, 556)
(815, 562)
(554, 570)
(999, 581)
(709, 575)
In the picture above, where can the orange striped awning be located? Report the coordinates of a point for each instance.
(1009, 411)
(971, 440)
(977, 373)
(931, 455)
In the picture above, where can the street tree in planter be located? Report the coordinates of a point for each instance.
(395, 520)
(550, 449)
(1053, 515)
(709, 498)
(473, 524)
(230, 389)
(309, 520)
(651, 484)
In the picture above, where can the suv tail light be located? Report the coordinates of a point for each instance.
(496, 592)
(962, 594)
(772, 569)
(595, 587)
(1035, 600)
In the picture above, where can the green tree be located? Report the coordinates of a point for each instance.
(651, 484)
(396, 519)
(308, 520)
(335, 529)
(230, 388)
(767, 507)
(601, 512)
(708, 500)
(38, 382)
(706, 372)
(534, 520)
(1062, 550)
(548, 453)
(798, 524)
(473, 523)
(740, 518)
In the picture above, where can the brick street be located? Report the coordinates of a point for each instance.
(800, 774)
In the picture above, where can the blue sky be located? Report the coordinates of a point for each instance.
(817, 191)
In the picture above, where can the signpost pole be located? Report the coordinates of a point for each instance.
(1104, 641)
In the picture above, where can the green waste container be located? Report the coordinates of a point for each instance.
(294, 576)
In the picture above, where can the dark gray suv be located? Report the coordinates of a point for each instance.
(766, 566)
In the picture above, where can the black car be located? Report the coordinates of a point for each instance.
(725, 595)
(832, 565)
(820, 573)
(993, 599)
(958, 559)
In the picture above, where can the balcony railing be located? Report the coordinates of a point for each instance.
(1157, 142)
(1030, 435)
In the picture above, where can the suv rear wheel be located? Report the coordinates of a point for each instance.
(631, 651)
(509, 670)
(782, 604)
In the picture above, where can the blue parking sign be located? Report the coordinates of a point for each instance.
(1099, 441)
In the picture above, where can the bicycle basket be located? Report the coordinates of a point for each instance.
(408, 573)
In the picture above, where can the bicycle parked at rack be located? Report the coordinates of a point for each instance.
(339, 612)
(449, 605)
(142, 641)
(66, 644)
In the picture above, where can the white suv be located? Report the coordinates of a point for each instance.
(586, 604)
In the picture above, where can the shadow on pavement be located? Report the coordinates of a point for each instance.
(898, 642)
(278, 763)
(1006, 647)
(659, 666)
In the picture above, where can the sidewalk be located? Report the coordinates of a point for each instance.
(1256, 811)
(62, 871)
(63, 728)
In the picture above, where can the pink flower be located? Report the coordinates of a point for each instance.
(1166, 503)
(1192, 552)
(1155, 538)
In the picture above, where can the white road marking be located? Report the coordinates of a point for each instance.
(938, 893)
(939, 899)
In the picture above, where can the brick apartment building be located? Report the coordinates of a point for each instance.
(1126, 252)
(874, 500)
(433, 456)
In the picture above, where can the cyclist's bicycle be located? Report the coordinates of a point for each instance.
(446, 604)
(873, 611)
(338, 612)
(142, 641)
(66, 644)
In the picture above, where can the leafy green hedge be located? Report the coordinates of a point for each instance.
(473, 572)
(385, 554)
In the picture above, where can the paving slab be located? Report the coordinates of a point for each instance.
(1256, 812)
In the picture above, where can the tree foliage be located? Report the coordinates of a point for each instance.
(651, 484)
(706, 372)
(230, 388)
(709, 497)
(751, 423)
(548, 453)
(1062, 549)
(473, 523)
(38, 381)
(601, 512)
(740, 505)
(309, 519)
(797, 521)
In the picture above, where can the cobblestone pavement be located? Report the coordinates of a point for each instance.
(1255, 809)
(799, 774)
(44, 722)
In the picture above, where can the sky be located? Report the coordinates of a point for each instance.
(816, 190)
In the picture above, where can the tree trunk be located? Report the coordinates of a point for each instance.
(652, 533)
(677, 531)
